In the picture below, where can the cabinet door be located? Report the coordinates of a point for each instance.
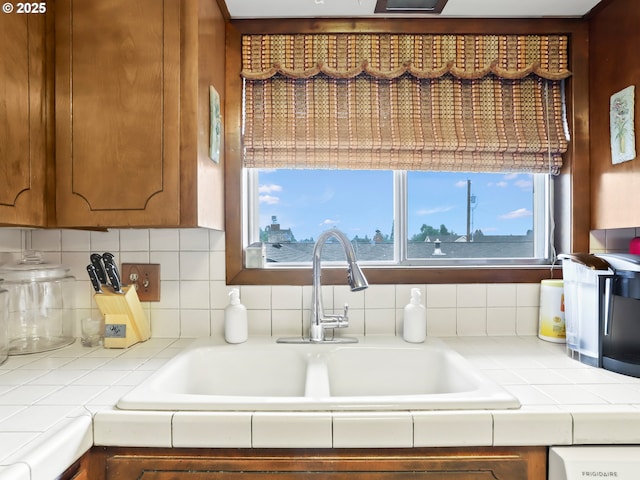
(418, 464)
(117, 112)
(22, 119)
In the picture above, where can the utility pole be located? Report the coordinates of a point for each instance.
(468, 210)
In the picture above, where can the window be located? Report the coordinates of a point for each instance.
(550, 63)
(401, 217)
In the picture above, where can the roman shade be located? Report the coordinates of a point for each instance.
(407, 102)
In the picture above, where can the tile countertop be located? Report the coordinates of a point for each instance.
(55, 405)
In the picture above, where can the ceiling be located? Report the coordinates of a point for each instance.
(239, 9)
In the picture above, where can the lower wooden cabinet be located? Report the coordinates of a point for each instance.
(522, 463)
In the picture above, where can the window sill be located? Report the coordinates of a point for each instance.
(396, 275)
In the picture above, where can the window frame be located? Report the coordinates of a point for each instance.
(572, 185)
(542, 226)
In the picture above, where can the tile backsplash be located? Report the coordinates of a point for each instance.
(194, 293)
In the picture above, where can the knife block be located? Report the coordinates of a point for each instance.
(125, 321)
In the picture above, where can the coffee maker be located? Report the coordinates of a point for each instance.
(602, 310)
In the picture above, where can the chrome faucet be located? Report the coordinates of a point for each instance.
(320, 321)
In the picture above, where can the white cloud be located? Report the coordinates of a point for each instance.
(524, 184)
(461, 184)
(270, 188)
(510, 176)
(432, 211)
(328, 221)
(519, 213)
(269, 199)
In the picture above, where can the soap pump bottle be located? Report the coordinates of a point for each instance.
(235, 319)
(415, 319)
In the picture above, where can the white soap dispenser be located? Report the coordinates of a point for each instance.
(235, 319)
(415, 319)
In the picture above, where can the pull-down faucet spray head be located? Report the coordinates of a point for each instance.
(356, 278)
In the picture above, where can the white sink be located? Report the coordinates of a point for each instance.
(260, 375)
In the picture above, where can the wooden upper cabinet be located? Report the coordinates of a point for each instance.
(23, 110)
(129, 84)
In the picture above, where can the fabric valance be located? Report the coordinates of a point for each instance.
(388, 56)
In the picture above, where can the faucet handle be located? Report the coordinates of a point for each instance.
(345, 315)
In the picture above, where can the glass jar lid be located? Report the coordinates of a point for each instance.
(32, 267)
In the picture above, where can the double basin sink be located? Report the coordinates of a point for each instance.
(374, 374)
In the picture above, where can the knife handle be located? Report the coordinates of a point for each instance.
(112, 273)
(93, 276)
(96, 261)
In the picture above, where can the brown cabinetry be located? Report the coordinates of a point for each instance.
(132, 113)
(397, 464)
(23, 118)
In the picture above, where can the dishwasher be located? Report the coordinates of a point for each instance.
(619, 462)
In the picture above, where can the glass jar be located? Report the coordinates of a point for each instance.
(40, 305)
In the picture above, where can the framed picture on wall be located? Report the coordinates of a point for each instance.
(621, 119)
(216, 125)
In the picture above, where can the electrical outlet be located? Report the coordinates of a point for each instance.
(145, 278)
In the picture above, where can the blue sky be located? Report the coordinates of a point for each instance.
(359, 202)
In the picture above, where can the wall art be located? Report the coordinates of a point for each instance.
(621, 118)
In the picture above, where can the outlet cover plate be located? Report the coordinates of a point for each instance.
(145, 277)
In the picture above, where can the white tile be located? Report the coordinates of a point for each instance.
(26, 394)
(195, 323)
(169, 296)
(501, 295)
(51, 454)
(373, 430)
(12, 441)
(36, 418)
(46, 240)
(342, 294)
(11, 241)
(571, 394)
(255, 297)
(501, 321)
(452, 429)
(532, 426)
(73, 395)
(471, 321)
(105, 241)
(76, 241)
(441, 296)
(194, 266)
(217, 263)
(169, 264)
(165, 323)
(161, 239)
(259, 323)
(609, 426)
(528, 295)
(380, 296)
(441, 322)
(472, 295)
(288, 297)
(216, 241)
(132, 428)
(212, 430)
(286, 323)
(527, 320)
(219, 294)
(194, 294)
(194, 239)
(403, 294)
(380, 321)
(291, 430)
(134, 240)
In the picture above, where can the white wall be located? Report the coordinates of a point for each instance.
(194, 292)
